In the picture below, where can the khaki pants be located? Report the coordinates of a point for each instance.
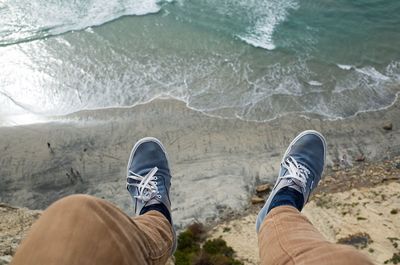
(287, 237)
(81, 229)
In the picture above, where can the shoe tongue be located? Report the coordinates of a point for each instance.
(152, 201)
(293, 185)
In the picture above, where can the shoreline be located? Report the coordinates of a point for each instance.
(89, 150)
(62, 118)
(162, 97)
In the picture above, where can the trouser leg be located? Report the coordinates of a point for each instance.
(287, 237)
(81, 229)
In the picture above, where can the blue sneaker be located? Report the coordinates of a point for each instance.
(301, 168)
(149, 177)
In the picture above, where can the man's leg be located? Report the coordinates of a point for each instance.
(285, 236)
(81, 229)
(84, 230)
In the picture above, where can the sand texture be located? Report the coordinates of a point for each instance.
(216, 163)
(362, 217)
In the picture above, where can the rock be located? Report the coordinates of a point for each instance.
(257, 200)
(328, 179)
(4, 260)
(390, 178)
(263, 188)
(360, 158)
(336, 167)
(388, 126)
(358, 240)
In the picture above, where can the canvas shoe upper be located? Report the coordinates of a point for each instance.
(301, 168)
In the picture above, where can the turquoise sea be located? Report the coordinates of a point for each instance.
(253, 60)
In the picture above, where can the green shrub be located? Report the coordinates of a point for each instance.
(184, 258)
(187, 242)
(218, 246)
(213, 252)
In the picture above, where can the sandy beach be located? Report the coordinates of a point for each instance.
(216, 163)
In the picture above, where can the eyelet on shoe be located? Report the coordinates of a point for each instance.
(159, 196)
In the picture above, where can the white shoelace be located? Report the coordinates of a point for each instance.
(296, 172)
(147, 187)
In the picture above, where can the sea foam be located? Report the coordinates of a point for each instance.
(38, 19)
(345, 67)
(266, 17)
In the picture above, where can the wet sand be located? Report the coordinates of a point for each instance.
(216, 163)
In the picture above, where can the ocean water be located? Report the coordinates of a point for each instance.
(253, 60)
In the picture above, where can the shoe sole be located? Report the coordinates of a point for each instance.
(135, 147)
